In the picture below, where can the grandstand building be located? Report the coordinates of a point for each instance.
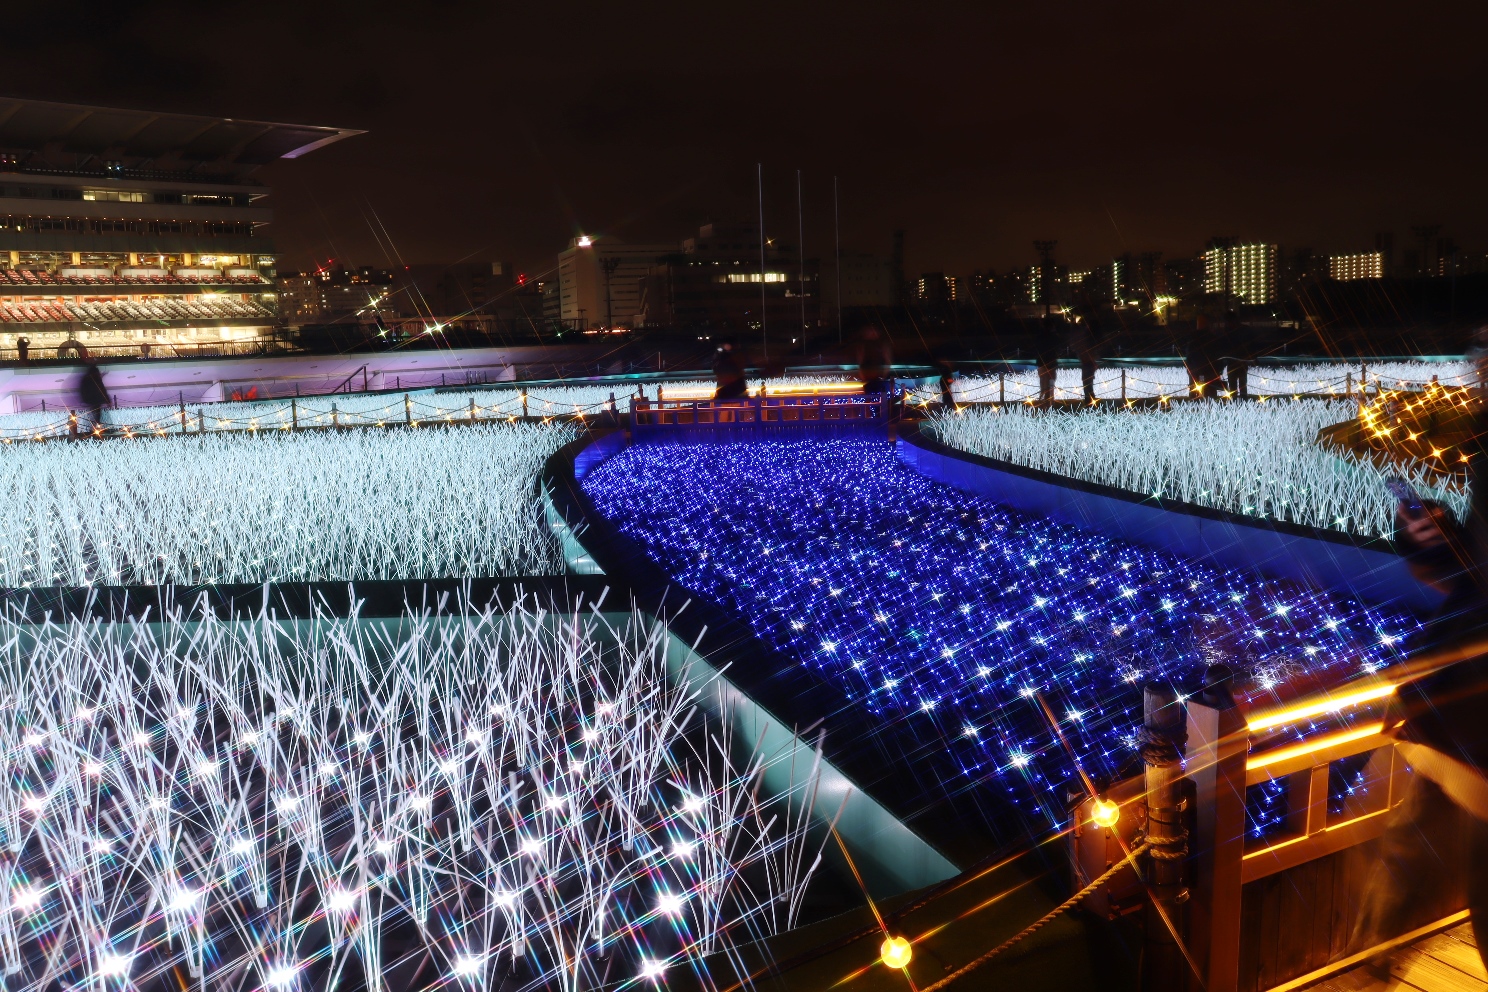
(126, 232)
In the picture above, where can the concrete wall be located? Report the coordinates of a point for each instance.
(205, 380)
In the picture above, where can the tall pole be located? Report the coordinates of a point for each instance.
(760, 184)
(837, 235)
(609, 265)
(801, 253)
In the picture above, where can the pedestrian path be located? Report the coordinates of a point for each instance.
(1445, 962)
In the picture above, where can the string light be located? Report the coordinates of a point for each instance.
(272, 872)
(836, 554)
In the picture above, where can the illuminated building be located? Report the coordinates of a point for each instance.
(1246, 273)
(123, 231)
(867, 280)
(1364, 265)
(714, 284)
(1136, 279)
(1051, 281)
(328, 295)
(935, 287)
(599, 280)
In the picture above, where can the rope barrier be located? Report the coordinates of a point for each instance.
(1041, 922)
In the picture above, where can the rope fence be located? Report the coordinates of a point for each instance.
(581, 403)
(1165, 383)
(309, 413)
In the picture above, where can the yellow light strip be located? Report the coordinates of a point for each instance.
(1333, 704)
(1313, 746)
(803, 389)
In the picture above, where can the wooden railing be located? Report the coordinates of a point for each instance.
(761, 412)
(1264, 910)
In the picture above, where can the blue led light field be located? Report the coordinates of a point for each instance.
(946, 623)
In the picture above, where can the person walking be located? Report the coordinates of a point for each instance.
(1085, 342)
(728, 374)
(874, 361)
(94, 394)
(1203, 370)
(1239, 350)
(1046, 353)
(1439, 832)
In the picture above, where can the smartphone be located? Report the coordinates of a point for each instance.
(1405, 493)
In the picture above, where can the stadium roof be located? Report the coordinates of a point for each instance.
(110, 133)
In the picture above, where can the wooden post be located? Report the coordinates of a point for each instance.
(1217, 746)
(407, 411)
(472, 409)
(1363, 381)
(294, 414)
(1348, 385)
(1163, 729)
(1001, 390)
(183, 414)
(1123, 385)
(524, 404)
(335, 416)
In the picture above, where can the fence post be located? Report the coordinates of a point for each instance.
(1348, 385)
(1163, 730)
(524, 404)
(407, 411)
(294, 414)
(335, 416)
(1001, 392)
(472, 409)
(1363, 381)
(1217, 747)
(1123, 385)
(183, 415)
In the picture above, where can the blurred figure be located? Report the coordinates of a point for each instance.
(1439, 833)
(94, 394)
(1085, 340)
(23, 350)
(1203, 370)
(947, 384)
(728, 373)
(1238, 354)
(874, 361)
(1046, 354)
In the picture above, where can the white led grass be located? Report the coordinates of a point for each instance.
(358, 409)
(1253, 459)
(278, 506)
(433, 837)
(1153, 382)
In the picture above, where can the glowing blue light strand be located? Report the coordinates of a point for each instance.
(940, 614)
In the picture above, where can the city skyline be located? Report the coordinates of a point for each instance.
(503, 134)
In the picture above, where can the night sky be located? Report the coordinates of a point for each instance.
(497, 131)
